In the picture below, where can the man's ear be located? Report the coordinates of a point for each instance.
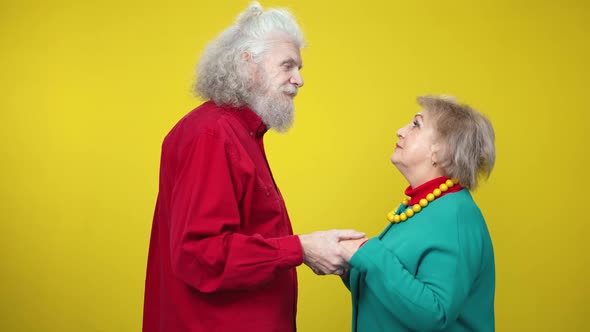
(246, 56)
(249, 61)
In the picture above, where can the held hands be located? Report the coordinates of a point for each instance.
(351, 246)
(323, 252)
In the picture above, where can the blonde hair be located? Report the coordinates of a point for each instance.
(468, 139)
(222, 74)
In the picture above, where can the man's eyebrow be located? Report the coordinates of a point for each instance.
(291, 61)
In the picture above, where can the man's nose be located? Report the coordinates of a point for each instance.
(297, 79)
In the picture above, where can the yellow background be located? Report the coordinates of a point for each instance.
(89, 89)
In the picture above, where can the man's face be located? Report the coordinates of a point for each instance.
(281, 67)
(276, 83)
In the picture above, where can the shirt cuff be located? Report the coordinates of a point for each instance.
(290, 250)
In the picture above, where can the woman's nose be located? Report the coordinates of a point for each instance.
(399, 133)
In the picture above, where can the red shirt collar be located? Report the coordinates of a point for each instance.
(249, 118)
(426, 188)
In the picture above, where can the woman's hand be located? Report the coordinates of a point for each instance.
(351, 246)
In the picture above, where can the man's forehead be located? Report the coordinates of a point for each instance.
(283, 44)
(285, 51)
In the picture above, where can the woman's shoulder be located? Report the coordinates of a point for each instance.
(457, 208)
(460, 201)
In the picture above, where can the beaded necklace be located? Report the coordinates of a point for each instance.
(410, 211)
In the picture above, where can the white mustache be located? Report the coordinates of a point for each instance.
(290, 89)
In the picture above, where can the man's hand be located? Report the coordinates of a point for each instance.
(323, 253)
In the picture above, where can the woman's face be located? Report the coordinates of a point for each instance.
(416, 146)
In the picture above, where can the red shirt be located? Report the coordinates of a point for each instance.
(222, 251)
(416, 194)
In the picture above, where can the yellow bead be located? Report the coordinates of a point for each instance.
(455, 180)
(405, 201)
(449, 183)
(403, 217)
(443, 187)
(416, 208)
(396, 218)
(437, 192)
(409, 212)
(430, 197)
(423, 202)
(390, 216)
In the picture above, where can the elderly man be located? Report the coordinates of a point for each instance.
(222, 253)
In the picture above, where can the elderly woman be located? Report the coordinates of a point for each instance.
(432, 268)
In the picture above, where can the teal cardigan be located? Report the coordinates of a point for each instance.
(434, 272)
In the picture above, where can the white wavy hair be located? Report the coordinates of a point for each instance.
(222, 74)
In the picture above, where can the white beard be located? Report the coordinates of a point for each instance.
(275, 108)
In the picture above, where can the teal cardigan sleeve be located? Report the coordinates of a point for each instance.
(431, 299)
(346, 282)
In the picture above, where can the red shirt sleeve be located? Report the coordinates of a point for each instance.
(209, 249)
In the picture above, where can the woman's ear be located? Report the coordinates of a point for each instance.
(434, 153)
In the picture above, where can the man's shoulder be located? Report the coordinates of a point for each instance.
(206, 113)
(206, 118)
